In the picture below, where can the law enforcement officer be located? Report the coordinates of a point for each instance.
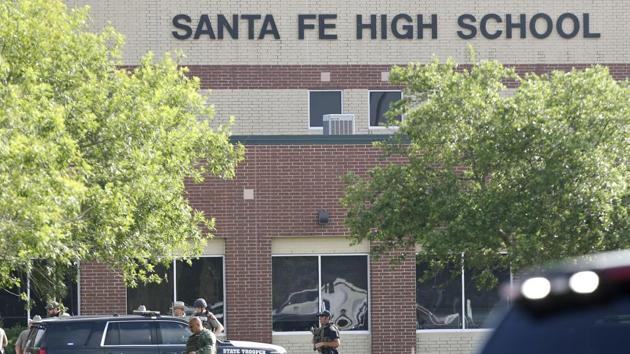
(326, 337)
(55, 309)
(52, 309)
(202, 340)
(209, 319)
(179, 309)
(20, 343)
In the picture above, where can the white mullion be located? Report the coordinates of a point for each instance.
(463, 295)
(319, 281)
(225, 317)
(78, 288)
(174, 280)
(28, 294)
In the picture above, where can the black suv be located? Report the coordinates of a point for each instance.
(579, 306)
(148, 333)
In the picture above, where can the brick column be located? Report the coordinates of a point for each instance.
(393, 290)
(102, 290)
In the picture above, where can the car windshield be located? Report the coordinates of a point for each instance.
(601, 329)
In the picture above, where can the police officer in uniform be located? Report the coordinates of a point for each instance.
(326, 337)
(202, 340)
(20, 343)
(55, 309)
(209, 319)
(179, 309)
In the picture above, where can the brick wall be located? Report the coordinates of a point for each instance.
(239, 77)
(290, 182)
(393, 291)
(102, 290)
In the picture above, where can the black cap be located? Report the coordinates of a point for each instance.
(324, 313)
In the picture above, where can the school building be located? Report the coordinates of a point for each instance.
(307, 82)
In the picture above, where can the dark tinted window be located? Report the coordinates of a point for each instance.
(295, 295)
(12, 307)
(601, 329)
(345, 290)
(62, 335)
(321, 103)
(297, 291)
(202, 278)
(438, 298)
(480, 302)
(174, 333)
(155, 297)
(129, 333)
(380, 102)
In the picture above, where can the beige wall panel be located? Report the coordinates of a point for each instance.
(301, 343)
(268, 112)
(215, 247)
(307, 245)
(263, 112)
(452, 342)
(147, 25)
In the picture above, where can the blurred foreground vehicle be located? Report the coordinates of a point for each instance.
(579, 306)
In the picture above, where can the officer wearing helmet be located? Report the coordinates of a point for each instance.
(55, 309)
(209, 319)
(326, 336)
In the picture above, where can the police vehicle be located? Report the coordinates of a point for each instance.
(579, 306)
(145, 333)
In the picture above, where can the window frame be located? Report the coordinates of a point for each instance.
(463, 305)
(319, 287)
(308, 107)
(369, 115)
(27, 312)
(174, 289)
(224, 283)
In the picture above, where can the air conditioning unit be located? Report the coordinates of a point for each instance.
(338, 124)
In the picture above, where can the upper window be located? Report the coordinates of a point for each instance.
(202, 278)
(321, 103)
(442, 303)
(380, 102)
(302, 285)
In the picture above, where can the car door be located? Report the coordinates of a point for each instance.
(130, 337)
(173, 336)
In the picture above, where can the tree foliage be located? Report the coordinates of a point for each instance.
(509, 178)
(93, 158)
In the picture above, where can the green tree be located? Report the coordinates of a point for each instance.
(535, 174)
(93, 158)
